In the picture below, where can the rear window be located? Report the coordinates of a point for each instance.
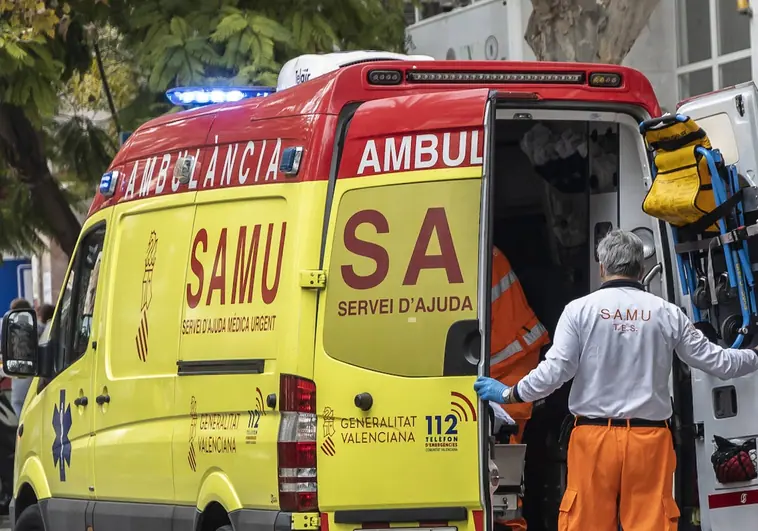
(721, 134)
(402, 270)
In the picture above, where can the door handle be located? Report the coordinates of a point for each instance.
(103, 399)
(654, 272)
(81, 401)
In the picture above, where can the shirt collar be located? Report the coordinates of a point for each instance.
(622, 283)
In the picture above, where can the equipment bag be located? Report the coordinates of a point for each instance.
(682, 192)
(733, 462)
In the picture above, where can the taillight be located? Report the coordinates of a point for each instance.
(297, 445)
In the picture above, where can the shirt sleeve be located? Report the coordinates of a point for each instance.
(695, 350)
(560, 364)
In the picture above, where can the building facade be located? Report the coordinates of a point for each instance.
(688, 47)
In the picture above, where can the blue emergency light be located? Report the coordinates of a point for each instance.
(108, 183)
(185, 96)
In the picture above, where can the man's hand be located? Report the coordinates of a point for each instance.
(490, 389)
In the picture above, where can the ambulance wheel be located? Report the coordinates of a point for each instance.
(30, 520)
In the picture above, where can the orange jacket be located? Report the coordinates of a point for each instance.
(516, 331)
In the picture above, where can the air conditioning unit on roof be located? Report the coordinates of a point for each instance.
(307, 67)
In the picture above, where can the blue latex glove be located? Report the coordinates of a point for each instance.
(490, 389)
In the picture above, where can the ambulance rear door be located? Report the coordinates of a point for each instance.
(726, 408)
(398, 339)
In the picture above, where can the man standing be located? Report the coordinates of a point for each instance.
(516, 338)
(618, 343)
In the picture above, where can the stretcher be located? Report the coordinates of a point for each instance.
(701, 198)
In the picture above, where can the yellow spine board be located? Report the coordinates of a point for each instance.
(677, 195)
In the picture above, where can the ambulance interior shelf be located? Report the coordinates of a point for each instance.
(700, 197)
(507, 466)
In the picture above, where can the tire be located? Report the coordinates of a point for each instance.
(30, 520)
(225, 528)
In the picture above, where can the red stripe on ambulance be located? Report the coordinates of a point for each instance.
(215, 166)
(449, 149)
(733, 499)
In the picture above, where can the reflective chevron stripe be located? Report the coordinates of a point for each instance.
(507, 352)
(534, 334)
(502, 285)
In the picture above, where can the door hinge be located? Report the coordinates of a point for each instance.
(739, 102)
(313, 279)
(693, 431)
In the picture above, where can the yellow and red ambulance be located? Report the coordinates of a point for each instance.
(278, 305)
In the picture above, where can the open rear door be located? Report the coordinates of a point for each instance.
(727, 408)
(399, 335)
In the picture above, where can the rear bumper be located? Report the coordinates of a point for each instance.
(260, 520)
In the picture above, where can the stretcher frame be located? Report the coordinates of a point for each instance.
(733, 241)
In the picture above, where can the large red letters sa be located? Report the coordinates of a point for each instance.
(434, 225)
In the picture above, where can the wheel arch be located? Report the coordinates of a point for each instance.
(216, 499)
(31, 484)
(25, 497)
(212, 517)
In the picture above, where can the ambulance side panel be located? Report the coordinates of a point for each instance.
(398, 438)
(55, 452)
(137, 368)
(135, 377)
(244, 318)
(727, 408)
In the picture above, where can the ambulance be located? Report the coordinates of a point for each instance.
(280, 300)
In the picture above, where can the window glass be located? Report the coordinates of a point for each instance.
(64, 322)
(694, 30)
(733, 28)
(735, 72)
(401, 273)
(694, 83)
(78, 301)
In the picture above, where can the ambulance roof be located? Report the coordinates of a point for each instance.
(310, 66)
(338, 79)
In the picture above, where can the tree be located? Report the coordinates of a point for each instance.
(73, 74)
(588, 31)
(34, 59)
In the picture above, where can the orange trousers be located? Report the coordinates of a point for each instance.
(619, 473)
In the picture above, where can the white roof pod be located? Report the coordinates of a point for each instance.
(305, 67)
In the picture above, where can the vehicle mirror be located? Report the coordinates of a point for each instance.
(19, 344)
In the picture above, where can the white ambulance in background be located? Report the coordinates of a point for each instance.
(727, 409)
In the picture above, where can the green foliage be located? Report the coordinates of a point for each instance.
(79, 149)
(20, 224)
(48, 69)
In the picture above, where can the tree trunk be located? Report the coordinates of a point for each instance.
(21, 147)
(587, 31)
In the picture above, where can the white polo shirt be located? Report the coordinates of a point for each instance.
(618, 343)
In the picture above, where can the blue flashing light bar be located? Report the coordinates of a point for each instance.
(186, 96)
(108, 183)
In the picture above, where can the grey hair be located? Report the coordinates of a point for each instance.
(621, 253)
